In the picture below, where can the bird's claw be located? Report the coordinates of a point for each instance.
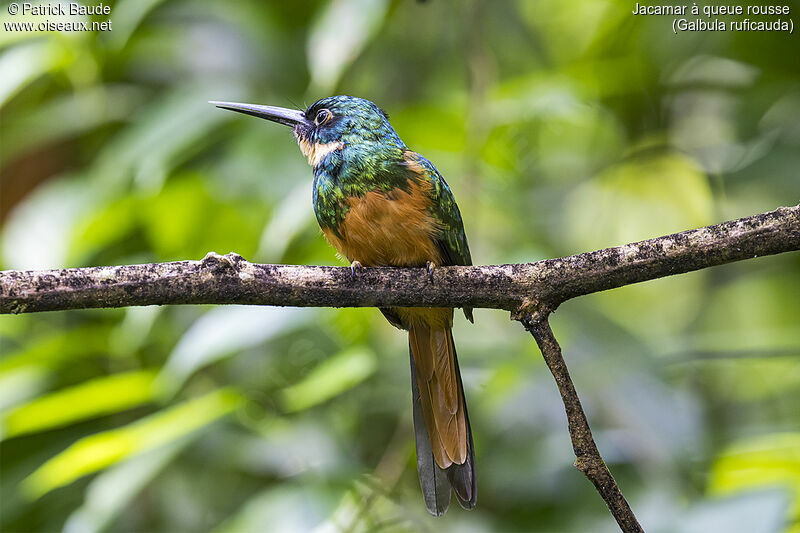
(225, 261)
(353, 266)
(430, 266)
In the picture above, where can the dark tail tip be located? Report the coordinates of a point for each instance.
(462, 477)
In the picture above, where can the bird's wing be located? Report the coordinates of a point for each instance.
(452, 241)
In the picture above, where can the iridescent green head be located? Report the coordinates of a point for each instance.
(346, 119)
(328, 124)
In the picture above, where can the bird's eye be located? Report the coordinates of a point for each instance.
(323, 116)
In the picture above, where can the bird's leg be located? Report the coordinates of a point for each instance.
(429, 266)
(353, 266)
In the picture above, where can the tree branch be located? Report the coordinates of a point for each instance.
(588, 457)
(232, 280)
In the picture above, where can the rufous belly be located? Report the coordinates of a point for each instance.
(392, 228)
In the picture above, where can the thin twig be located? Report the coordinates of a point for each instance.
(588, 459)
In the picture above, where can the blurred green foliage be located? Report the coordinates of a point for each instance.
(562, 127)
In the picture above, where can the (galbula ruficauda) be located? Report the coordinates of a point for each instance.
(381, 204)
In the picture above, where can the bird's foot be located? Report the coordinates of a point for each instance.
(430, 266)
(226, 261)
(353, 266)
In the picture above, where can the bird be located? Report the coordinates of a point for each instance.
(378, 203)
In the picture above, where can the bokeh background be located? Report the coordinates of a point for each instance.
(562, 127)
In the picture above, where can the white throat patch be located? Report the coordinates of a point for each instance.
(317, 152)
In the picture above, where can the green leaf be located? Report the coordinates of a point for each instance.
(128, 15)
(768, 321)
(67, 116)
(285, 508)
(164, 134)
(21, 384)
(186, 220)
(51, 351)
(110, 492)
(433, 127)
(640, 199)
(291, 218)
(760, 462)
(332, 49)
(101, 450)
(38, 231)
(333, 376)
(647, 196)
(224, 331)
(93, 398)
(103, 225)
(22, 64)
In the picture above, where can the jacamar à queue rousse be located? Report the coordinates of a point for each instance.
(381, 204)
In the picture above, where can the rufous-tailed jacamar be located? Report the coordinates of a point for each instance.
(379, 203)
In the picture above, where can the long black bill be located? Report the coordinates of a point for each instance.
(281, 115)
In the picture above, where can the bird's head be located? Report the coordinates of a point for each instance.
(329, 124)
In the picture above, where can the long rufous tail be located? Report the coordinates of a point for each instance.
(445, 454)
